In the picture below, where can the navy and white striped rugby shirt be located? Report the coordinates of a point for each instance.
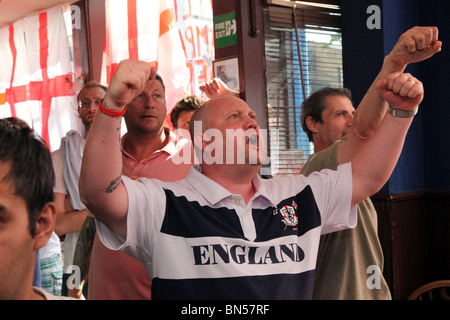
(198, 241)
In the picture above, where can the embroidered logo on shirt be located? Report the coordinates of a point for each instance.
(289, 215)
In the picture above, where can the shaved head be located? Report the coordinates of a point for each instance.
(203, 114)
(225, 130)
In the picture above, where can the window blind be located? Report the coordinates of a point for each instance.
(303, 44)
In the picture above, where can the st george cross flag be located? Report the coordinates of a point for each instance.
(36, 80)
(146, 30)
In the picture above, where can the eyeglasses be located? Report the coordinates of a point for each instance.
(85, 104)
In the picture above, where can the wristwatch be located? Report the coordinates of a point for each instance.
(402, 113)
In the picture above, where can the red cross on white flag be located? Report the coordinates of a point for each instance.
(36, 80)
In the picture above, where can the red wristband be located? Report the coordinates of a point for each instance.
(111, 113)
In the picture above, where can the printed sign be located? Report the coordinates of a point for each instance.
(225, 30)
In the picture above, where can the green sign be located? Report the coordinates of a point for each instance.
(225, 30)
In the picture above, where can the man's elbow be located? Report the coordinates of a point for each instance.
(100, 204)
(91, 202)
(363, 129)
(364, 134)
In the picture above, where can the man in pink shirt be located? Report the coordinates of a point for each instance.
(148, 150)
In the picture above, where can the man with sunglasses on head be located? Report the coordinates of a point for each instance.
(71, 212)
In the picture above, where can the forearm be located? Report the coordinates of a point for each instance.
(374, 159)
(375, 162)
(67, 222)
(373, 107)
(101, 171)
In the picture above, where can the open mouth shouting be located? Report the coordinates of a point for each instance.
(252, 140)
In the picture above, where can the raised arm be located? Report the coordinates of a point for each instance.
(415, 45)
(100, 184)
(217, 87)
(376, 158)
(375, 141)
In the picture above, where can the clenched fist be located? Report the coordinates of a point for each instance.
(127, 82)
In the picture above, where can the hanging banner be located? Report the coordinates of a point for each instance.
(146, 30)
(36, 80)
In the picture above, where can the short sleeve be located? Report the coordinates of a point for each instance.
(333, 193)
(146, 208)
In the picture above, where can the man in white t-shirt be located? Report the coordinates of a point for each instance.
(224, 233)
(71, 212)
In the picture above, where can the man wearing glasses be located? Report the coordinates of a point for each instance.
(71, 212)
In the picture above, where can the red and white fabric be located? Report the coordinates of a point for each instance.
(146, 30)
(36, 78)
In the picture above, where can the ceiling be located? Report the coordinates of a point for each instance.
(12, 10)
